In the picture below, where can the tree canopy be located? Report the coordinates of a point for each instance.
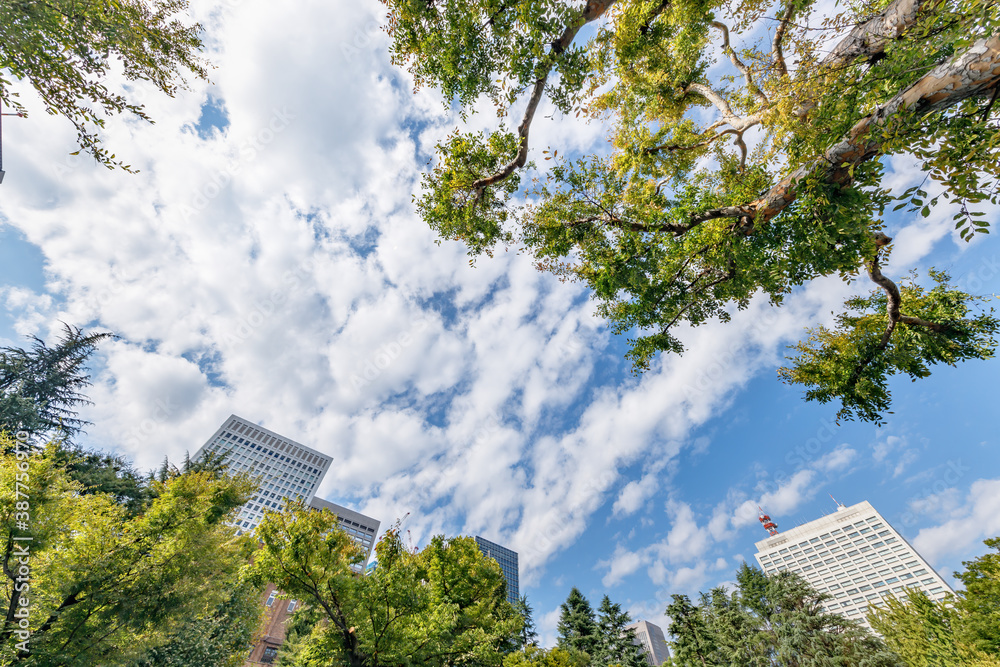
(958, 630)
(769, 620)
(107, 586)
(720, 183)
(577, 624)
(443, 605)
(68, 50)
(40, 388)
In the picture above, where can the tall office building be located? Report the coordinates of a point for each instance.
(287, 469)
(854, 555)
(508, 563)
(650, 638)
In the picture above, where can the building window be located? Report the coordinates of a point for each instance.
(291, 606)
(269, 654)
(270, 598)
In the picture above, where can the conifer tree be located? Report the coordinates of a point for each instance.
(615, 644)
(529, 635)
(42, 387)
(577, 625)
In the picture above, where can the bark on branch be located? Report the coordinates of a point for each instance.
(973, 73)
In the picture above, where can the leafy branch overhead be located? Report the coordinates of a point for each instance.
(684, 218)
(70, 51)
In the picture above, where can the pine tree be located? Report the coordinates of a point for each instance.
(577, 626)
(694, 642)
(615, 644)
(529, 635)
(41, 388)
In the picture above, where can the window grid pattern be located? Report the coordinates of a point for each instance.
(285, 468)
(854, 556)
(508, 563)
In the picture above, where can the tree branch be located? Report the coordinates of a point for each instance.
(593, 10)
(779, 35)
(972, 73)
(740, 65)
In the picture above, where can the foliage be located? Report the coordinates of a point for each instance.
(41, 387)
(533, 656)
(615, 645)
(682, 220)
(528, 635)
(221, 637)
(852, 363)
(69, 52)
(961, 630)
(98, 472)
(577, 624)
(769, 620)
(443, 605)
(105, 586)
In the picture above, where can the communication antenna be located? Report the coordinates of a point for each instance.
(839, 505)
(770, 526)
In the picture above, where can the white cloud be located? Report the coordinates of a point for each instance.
(622, 563)
(838, 459)
(977, 519)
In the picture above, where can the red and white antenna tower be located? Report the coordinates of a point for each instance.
(770, 526)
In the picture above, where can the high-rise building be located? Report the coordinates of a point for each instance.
(650, 638)
(854, 555)
(508, 563)
(287, 469)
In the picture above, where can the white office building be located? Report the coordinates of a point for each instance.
(650, 638)
(855, 556)
(287, 469)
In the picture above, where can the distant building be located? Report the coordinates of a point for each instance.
(286, 468)
(265, 651)
(362, 529)
(508, 563)
(854, 555)
(650, 638)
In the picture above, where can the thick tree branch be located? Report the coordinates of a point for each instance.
(973, 73)
(779, 35)
(870, 38)
(593, 11)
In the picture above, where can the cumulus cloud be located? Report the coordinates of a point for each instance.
(976, 519)
(273, 267)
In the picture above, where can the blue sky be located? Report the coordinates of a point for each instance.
(266, 262)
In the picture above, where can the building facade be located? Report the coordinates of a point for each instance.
(508, 563)
(855, 556)
(650, 638)
(361, 528)
(287, 469)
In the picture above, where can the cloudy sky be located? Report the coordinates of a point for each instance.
(266, 262)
